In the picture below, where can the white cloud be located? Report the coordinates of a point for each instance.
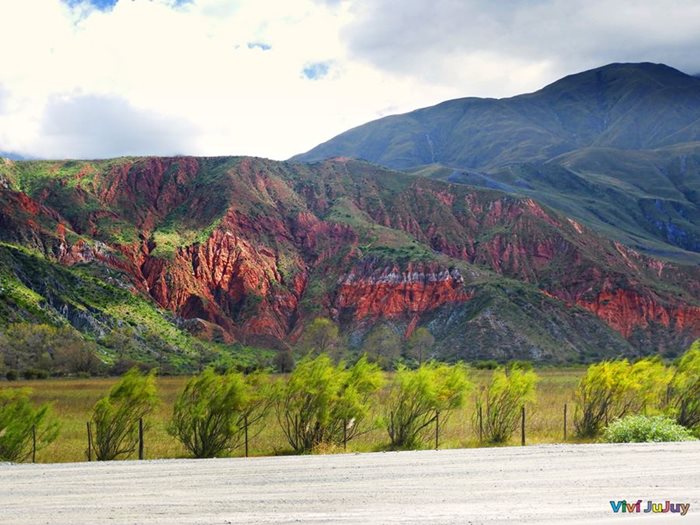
(210, 77)
(3, 99)
(513, 46)
(98, 126)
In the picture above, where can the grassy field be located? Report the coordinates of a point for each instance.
(72, 401)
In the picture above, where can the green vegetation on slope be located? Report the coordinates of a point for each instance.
(35, 290)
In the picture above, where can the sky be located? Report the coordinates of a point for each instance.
(273, 78)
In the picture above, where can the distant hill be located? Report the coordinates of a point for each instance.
(617, 147)
(10, 155)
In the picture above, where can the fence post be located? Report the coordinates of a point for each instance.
(33, 443)
(141, 438)
(522, 427)
(345, 435)
(89, 434)
(437, 429)
(481, 425)
(564, 421)
(245, 430)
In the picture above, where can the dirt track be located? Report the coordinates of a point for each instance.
(536, 484)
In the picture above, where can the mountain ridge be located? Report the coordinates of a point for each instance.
(624, 109)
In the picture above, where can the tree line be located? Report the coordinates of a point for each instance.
(39, 351)
(320, 403)
(325, 402)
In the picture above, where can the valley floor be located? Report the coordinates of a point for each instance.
(535, 484)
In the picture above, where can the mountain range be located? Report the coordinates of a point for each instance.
(559, 227)
(617, 148)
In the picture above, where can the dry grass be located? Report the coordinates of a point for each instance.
(72, 401)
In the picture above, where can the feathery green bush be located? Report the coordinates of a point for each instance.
(116, 416)
(684, 389)
(507, 392)
(419, 397)
(613, 389)
(21, 422)
(325, 403)
(212, 412)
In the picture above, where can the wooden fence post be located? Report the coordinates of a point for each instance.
(345, 435)
(437, 429)
(140, 438)
(33, 443)
(564, 421)
(522, 427)
(481, 425)
(89, 434)
(245, 430)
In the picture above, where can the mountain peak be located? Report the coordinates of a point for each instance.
(624, 75)
(620, 105)
(623, 132)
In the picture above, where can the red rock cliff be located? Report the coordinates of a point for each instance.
(393, 292)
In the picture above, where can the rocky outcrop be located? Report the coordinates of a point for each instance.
(370, 292)
(228, 281)
(147, 190)
(628, 310)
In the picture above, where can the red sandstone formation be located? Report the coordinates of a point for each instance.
(252, 273)
(627, 310)
(393, 292)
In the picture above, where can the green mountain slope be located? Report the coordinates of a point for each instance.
(615, 147)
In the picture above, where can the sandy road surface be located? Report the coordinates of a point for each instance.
(535, 484)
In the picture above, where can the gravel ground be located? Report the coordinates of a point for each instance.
(534, 484)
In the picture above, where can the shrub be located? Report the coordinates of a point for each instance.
(418, 396)
(284, 361)
(642, 429)
(651, 379)
(612, 389)
(12, 375)
(30, 373)
(122, 366)
(321, 402)
(521, 365)
(684, 389)
(213, 410)
(77, 357)
(44, 349)
(320, 336)
(204, 416)
(257, 403)
(19, 420)
(507, 392)
(115, 417)
(383, 346)
(488, 364)
(419, 346)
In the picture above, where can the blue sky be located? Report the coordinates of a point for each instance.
(99, 4)
(317, 70)
(100, 78)
(106, 5)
